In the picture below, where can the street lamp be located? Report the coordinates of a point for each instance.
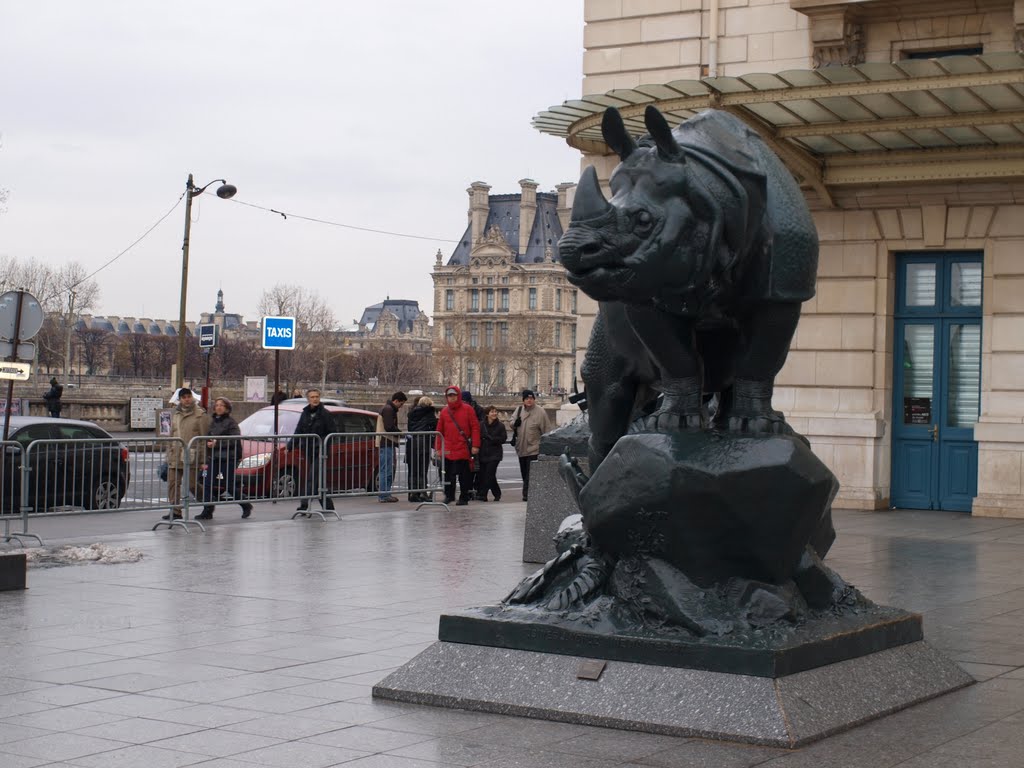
(225, 191)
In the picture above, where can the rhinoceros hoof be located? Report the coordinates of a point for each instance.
(669, 421)
(758, 424)
(716, 505)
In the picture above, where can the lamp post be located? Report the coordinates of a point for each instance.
(225, 191)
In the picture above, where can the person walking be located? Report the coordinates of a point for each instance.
(492, 436)
(188, 421)
(388, 437)
(315, 424)
(530, 422)
(457, 443)
(222, 459)
(52, 398)
(422, 419)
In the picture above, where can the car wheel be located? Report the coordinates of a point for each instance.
(374, 484)
(104, 495)
(286, 485)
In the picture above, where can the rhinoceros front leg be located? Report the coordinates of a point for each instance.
(768, 334)
(672, 344)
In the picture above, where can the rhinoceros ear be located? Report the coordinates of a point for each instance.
(660, 131)
(615, 134)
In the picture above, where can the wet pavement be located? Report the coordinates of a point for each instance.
(257, 643)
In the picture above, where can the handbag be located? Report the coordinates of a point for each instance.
(469, 444)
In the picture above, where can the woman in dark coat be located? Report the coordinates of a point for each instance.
(422, 418)
(221, 460)
(492, 436)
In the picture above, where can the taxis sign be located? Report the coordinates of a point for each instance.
(279, 333)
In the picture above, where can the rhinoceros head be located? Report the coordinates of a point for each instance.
(660, 235)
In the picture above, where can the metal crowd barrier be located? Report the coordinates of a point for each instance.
(12, 493)
(74, 476)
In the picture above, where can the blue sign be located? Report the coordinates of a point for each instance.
(279, 333)
(207, 336)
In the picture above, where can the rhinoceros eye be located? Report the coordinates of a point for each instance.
(642, 221)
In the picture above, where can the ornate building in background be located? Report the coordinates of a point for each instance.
(504, 313)
(397, 325)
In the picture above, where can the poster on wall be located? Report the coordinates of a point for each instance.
(917, 410)
(255, 389)
(164, 420)
(143, 412)
(19, 406)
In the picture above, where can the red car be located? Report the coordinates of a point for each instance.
(352, 459)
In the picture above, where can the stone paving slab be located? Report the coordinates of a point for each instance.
(172, 652)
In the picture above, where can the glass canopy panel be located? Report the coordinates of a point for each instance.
(802, 77)
(959, 99)
(881, 71)
(999, 96)
(966, 136)
(765, 82)
(858, 142)
(1002, 134)
(822, 145)
(884, 105)
(842, 74)
(689, 87)
(629, 96)
(846, 108)
(774, 114)
(809, 110)
(929, 137)
(892, 139)
(920, 103)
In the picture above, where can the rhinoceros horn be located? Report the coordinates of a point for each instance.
(589, 203)
(615, 134)
(659, 129)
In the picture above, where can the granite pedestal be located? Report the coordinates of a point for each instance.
(785, 711)
(550, 503)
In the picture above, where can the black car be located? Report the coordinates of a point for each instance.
(84, 467)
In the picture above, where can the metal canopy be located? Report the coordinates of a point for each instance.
(918, 120)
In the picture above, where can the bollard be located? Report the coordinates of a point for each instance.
(13, 568)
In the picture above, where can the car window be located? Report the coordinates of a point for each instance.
(356, 422)
(262, 423)
(33, 432)
(74, 432)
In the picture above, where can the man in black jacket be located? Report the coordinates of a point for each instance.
(387, 440)
(52, 398)
(315, 424)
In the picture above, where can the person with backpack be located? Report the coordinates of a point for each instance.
(458, 443)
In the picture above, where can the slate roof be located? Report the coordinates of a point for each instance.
(406, 311)
(545, 229)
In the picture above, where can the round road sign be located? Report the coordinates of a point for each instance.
(31, 316)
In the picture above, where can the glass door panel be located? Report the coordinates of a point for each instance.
(963, 384)
(918, 373)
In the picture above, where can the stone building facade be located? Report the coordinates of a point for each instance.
(907, 370)
(504, 313)
(393, 324)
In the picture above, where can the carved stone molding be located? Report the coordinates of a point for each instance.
(837, 38)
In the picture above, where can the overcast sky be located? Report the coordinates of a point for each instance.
(373, 114)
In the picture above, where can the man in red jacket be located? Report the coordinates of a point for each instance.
(460, 430)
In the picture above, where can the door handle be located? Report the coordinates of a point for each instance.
(935, 432)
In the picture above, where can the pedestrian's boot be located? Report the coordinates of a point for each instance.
(246, 510)
(206, 514)
(173, 515)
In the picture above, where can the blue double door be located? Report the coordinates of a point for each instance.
(937, 380)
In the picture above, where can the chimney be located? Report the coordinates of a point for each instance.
(479, 207)
(566, 194)
(527, 212)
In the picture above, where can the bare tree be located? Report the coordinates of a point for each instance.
(315, 343)
(92, 342)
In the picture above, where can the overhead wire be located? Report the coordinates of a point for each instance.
(283, 214)
(287, 214)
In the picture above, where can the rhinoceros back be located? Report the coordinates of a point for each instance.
(785, 268)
